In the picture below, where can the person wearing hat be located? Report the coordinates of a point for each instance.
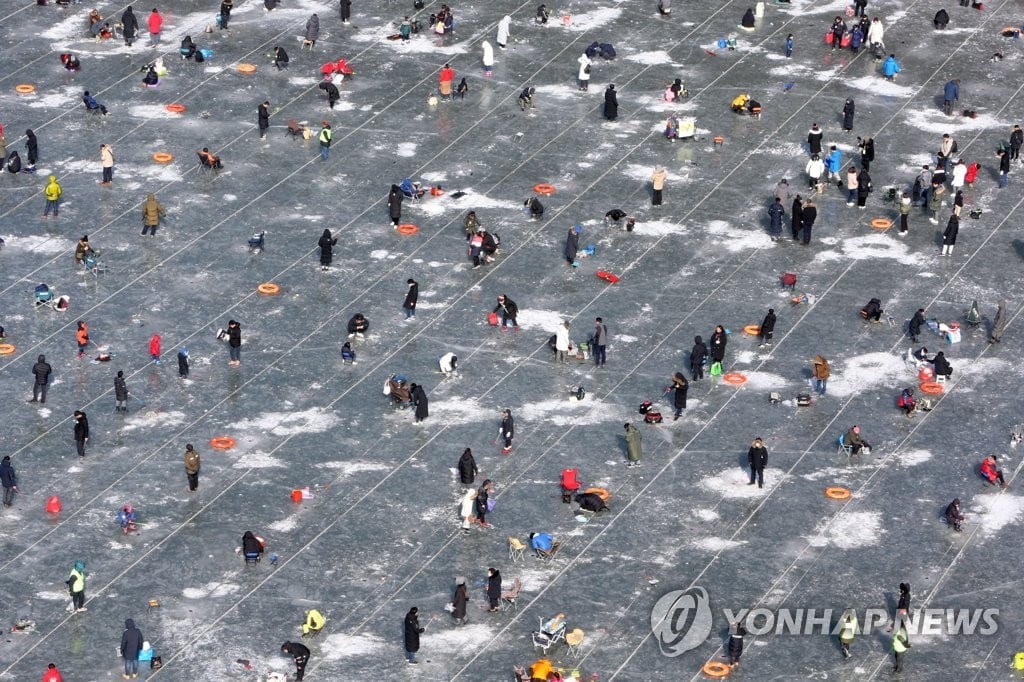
(856, 443)
(412, 632)
(314, 623)
(757, 457)
(192, 466)
(183, 364)
(76, 587)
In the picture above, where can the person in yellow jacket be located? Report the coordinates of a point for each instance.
(315, 622)
(657, 185)
(739, 103)
(847, 631)
(152, 211)
(107, 161)
(52, 193)
(76, 586)
(900, 644)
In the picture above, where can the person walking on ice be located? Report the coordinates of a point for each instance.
(506, 431)
(634, 445)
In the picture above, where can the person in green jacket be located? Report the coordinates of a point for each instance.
(900, 644)
(634, 450)
(325, 141)
(847, 631)
(52, 192)
(76, 586)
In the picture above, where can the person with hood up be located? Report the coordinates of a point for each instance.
(326, 244)
(448, 363)
(526, 98)
(506, 431)
(504, 27)
(419, 399)
(991, 472)
(808, 216)
(876, 32)
(324, 138)
(954, 517)
(41, 371)
(814, 136)
(680, 385)
(281, 58)
(92, 105)
(856, 38)
(890, 68)
(263, 118)
(757, 458)
(949, 235)
(950, 95)
(131, 645)
(467, 507)
(467, 468)
(941, 365)
(775, 215)
(154, 348)
(838, 30)
(820, 372)
(187, 50)
(905, 206)
(31, 149)
(999, 323)
(183, 363)
(940, 21)
(412, 295)
(572, 245)
(13, 165)
(849, 109)
(445, 78)
(81, 432)
(494, 589)
(480, 504)
(658, 185)
(300, 656)
(460, 600)
(611, 103)
(914, 327)
(312, 30)
(782, 191)
(718, 341)
(488, 58)
(634, 445)
(120, 393)
(863, 188)
(358, 325)
(52, 674)
(345, 11)
(412, 632)
(748, 21)
(736, 635)
(395, 198)
(698, 355)
(814, 169)
(225, 14)
(52, 192)
(192, 466)
(767, 328)
(252, 547)
(583, 76)
(76, 587)
(152, 211)
(599, 340)
(796, 213)
(331, 91)
(8, 479)
(129, 26)
(847, 631)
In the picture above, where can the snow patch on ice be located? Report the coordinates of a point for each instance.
(152, 419)
(734, 239)
(349, 468)
(545, 320)
(565, 412)
(651, 58)
(425, 42)
(285, 525)
(37, 244)
(340, 645)
(313, 420)
(658, 228)
(913, 457)
(998, 511)
(871, 247)
(406, 149)
(557, 91)
(466, 638)
(52, 595)
(849, 531)
(213, 589)
(932, 120)
(434, 177)
(458, 411)
(713, 544)
(589, 20)
(706, 514)
(378, 254)
(434, 206)
(877, 85)
(257, 460)
(151, 111)
(862, 373)
(732, 482)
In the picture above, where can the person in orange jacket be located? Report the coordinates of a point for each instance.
(82, 336)
(444, 81)
(154, 348)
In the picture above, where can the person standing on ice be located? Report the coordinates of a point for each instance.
(326, 244)
(506, 431)
(764, 334)
(584, 72)
(395, 198)
(611, 103)
(155, 24)
(796, 213)
(775, 214)
(76, 587)
(503, 31)
(412, 295)
(634, 445)
(468, 469)
(131, 645)
(192, 466)
(129, 26)
(736, 635)
(263, 118)
(234, 343)
(847, 631)
(698, 354)
(808, 216)
(412, 632)
(120, 393)
(718, 341)
(757, 458)
(849, 109)
(419, 399)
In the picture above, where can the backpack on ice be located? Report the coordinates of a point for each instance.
(650, 412)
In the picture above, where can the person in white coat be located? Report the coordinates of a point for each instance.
(503, 31)
(959, 175)
(488, 58)
(875, 32)
(815, 167)
(466, 509)
(562, 341)
(448, 363)
(584, 74)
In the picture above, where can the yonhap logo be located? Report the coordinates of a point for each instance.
(681, 620)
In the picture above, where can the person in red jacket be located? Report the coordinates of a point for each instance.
(444, 81)
(52, 674)
(82, 337)
(154, 348)
(156, 22)
(991, 471)
(972, 173)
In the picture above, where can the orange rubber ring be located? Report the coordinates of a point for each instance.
(222, 443)
(881, 223)
(837, 493)
(932, 387)
(734, 378)
(247, 68)
(175, 108)
(7, 349)
(752, 329)
(603, 493)
(407, 228)
(544, 189)
(268, 288)
(25, 88)
(163, 157)
(716, 669)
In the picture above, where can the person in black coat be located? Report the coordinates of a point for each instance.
(358, 325)
(8, 479)
(483, 494)
(131, 645)
(395, 198)
(13, 163)
(757, 458)
(251, 547)
(572, 244)
(698, 354)
(187, 50)
(300, 654)
(718, 341)
(129, 26)
(680, 385)
(914, 328)
(41, 371)
(767, 328)
(591, 502)
(81, 432)
(120, 393)
(941, 19)
(814, 136)
(412, 634)
(494, 588)
(736, 635)
(611, 103)
(459, 601)
(234, 343)
(941, 365)
(332, 92)
(902, 605)
(32, 148)
(796, 213)
(848, 112)
(225, 13)
(950, 234)
(263, 118)
(506, 431)
(863, 188)
(326, 245)
(954, 517)
(808, 216)
(280, 58)
(346, 10)
(867, 151)
(419, 399)
(872, 311)
(748, 20)
(467, 468)
(412, 295)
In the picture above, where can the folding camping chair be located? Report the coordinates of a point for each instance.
(509, 599)
(548, 554)
(843, 447)
(516, 549)
(544, 639)
(570, 484)
(574, 640)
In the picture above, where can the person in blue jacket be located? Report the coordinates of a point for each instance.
(541, 542)
(775, 213)
(950, 95)
(833, 163)
(890, 67)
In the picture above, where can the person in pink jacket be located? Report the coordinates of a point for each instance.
(156, 22)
